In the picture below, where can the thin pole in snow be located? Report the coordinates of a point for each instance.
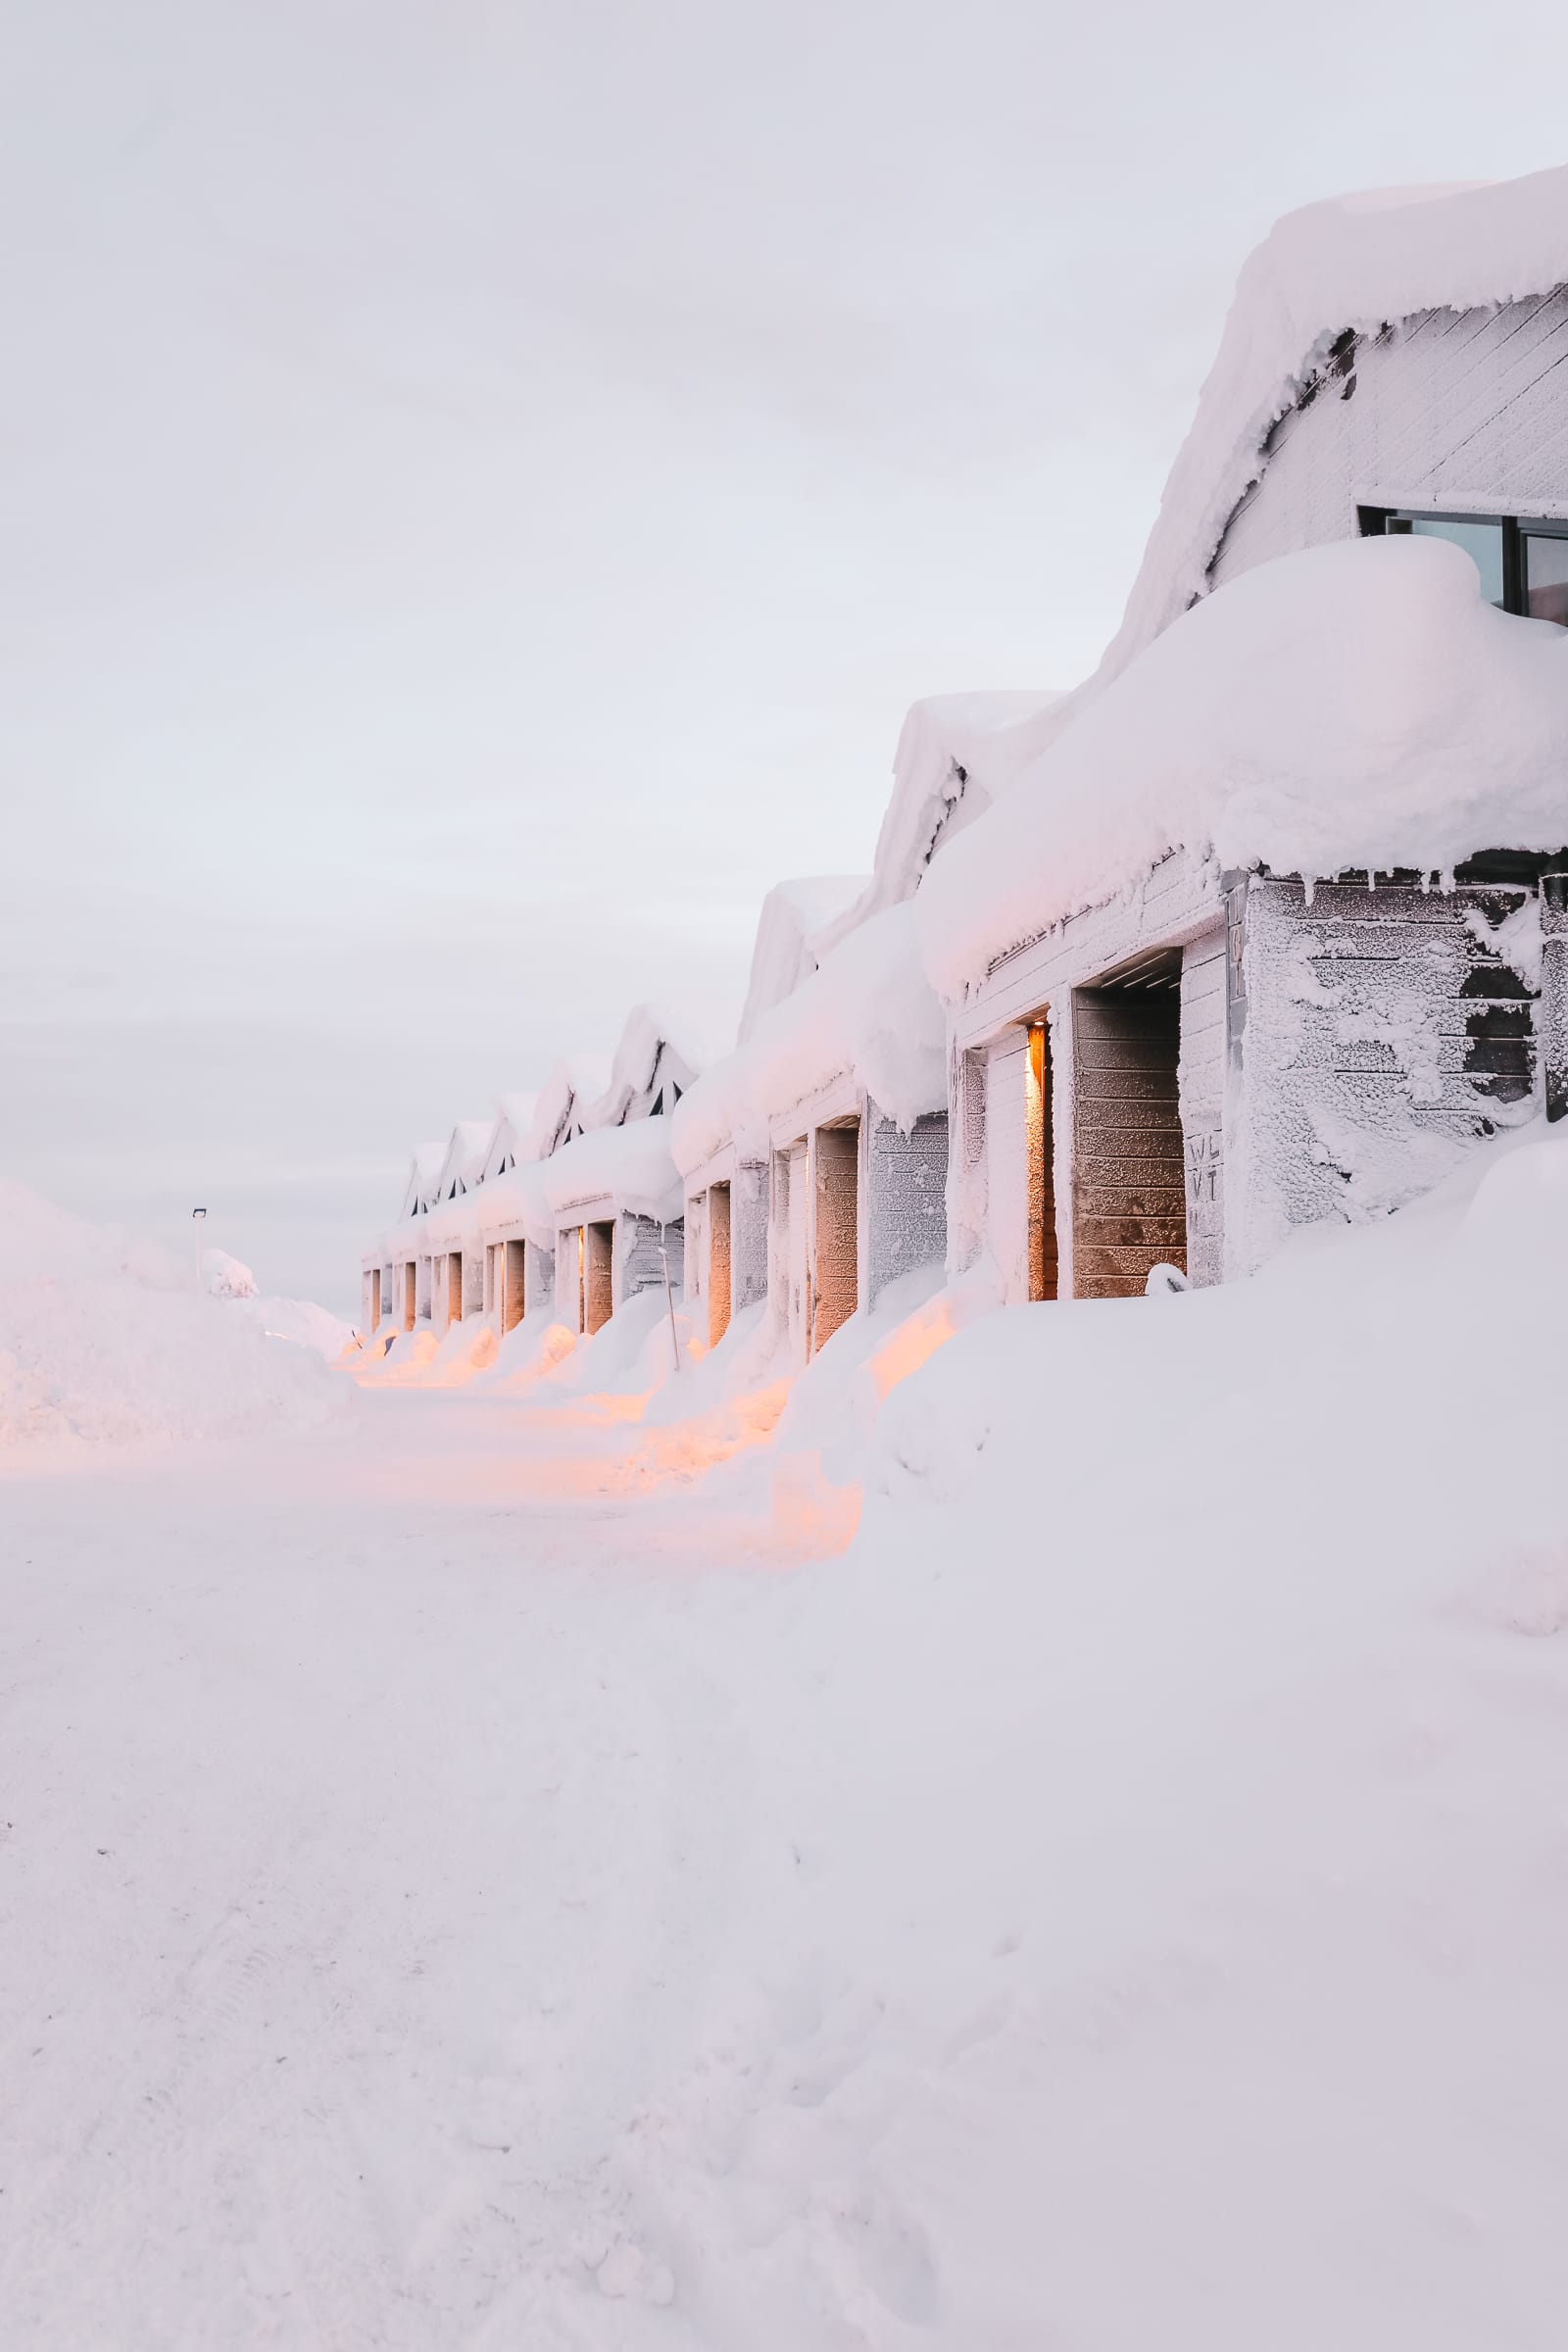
(670, 1301)
(198, 1217)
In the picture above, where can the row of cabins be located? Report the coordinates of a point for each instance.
(1062, 1083)
(564, 1204)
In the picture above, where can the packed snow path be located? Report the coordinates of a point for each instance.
(365, 1846)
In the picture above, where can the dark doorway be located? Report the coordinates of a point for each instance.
(598, 1295)
(1129, 1170)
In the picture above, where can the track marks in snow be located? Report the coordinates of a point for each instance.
(421, 1827)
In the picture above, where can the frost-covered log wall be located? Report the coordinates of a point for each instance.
(1376, 1034)
(905, 1197)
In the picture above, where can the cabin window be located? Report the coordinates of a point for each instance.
(1547, 575)
(1523, 562)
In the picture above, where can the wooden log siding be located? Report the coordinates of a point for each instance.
(1044, 1269)
(792, 1171)
(836, 1255)
(599, 1252)
(454, 1264)
(407, 1295)
(513, 1284)
(1129, 1176)
(568, 1276)
(1202, 1103)
(718, 1288)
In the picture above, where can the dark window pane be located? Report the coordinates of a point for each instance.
(1482, 542)
(1546, 580)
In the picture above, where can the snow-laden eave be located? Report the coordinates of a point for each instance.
(867, 1017)
(1355, 707)
(1351, 265)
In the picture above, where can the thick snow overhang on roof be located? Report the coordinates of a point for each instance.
(559, 1104)
(510, 1136)
(956, 754)
(424, 1169)
(1354, 706)
(785, 953)
(630, 1167)
(464, 1161)
(652, 1053)
(1355, 261)
(868, 1014)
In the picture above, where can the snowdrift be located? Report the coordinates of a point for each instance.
(1157, 1921)
(104, 1337)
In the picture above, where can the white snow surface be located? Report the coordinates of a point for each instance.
(648, 1030)
(105, 1338)
(1355, 262)
(1354, 705)
(784, 953)
(224, 1277)
(495, 1871)
(868, 1013)
(629, 1166)
(991, 738)
(296, 1319)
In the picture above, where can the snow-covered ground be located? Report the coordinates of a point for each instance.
(474, 1878)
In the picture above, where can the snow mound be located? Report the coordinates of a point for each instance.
(1133, 1875)
(224, 1277)
(103, 1337)
(301, 1321)
(1356, 705)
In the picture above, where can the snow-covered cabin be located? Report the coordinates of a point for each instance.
(588, 1212)
(815, 1154)
(614, 1194)
(1257, 938)
(388, 1289)
(449, 1273)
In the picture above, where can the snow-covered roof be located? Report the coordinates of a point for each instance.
(653, 1057)
(868, 1014)
(784, 955)
(1357, 706)
(559, 1104)
(419, 1188)
(628, 1166)
(956, 754)
(463, 1162)
(1353, 261)
(511, 1135)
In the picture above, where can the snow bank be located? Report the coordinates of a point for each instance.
(1148, 1905)
(868, 1014)
(224, 1277)
(1358, 704)
(297, 1319)
(103, 1337)
(1352, 262)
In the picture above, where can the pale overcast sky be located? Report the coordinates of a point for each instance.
(480, 484)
